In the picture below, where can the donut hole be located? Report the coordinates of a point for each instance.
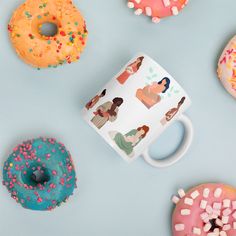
(40, 177)
(36, 176)
(213, 225)
(48, 29)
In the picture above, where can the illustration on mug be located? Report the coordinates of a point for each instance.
(128, 141)
(106, 112)
(95, 100)
(150, 94)
(130, 70)
(172, 112)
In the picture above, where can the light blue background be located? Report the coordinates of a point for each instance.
(115, 198)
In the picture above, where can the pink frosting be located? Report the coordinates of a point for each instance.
(194, 218)
(159, 8)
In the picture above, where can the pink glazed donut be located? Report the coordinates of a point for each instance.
(157, 9)
(206, 210)
(227, 67)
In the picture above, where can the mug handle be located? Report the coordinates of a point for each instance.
(183, 148)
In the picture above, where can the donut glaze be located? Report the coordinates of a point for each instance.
(39, 174)
(206, 210)
(157, 9)
(47, 51)
(227, 67)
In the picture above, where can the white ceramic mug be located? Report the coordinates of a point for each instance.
(136, 106)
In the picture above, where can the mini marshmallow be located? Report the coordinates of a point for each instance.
(225, 219)
(209, 209)
(206, 192)
(219, 222)
(156, 20)
(138, 1)
(226, 203)
(179, 227)
(217, 192)
(226, 227)
(204, 215)
(234, 205)
(234, 215)
(166, 3)
(207, 227)
(217, 205)
(188, 201)
(138, 12)
(213, 216)
(175, 199)
(223, 233)
(203, 204)
(207, 220)
(194, 194)
(227, 212)
(197, 231)
(185, 212)
(148, 11)
(175, 11)
(216, 212)
(234, 225)
(130, 5)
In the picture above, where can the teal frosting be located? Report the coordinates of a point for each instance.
(40, 174)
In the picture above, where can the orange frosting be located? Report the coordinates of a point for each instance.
(48, 51)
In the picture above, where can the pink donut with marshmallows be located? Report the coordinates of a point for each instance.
(157, 9)
(206, 210)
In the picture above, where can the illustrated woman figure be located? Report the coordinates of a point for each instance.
(106, 112)
(172, 112)
(150, 94)
(128, 141)
(94, 100)
(130, 70)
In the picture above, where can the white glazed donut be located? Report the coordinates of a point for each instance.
(227, 67)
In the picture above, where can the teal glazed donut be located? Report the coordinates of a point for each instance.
(39, 174)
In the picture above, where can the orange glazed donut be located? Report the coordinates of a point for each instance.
(206, 210)
(43, 51)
